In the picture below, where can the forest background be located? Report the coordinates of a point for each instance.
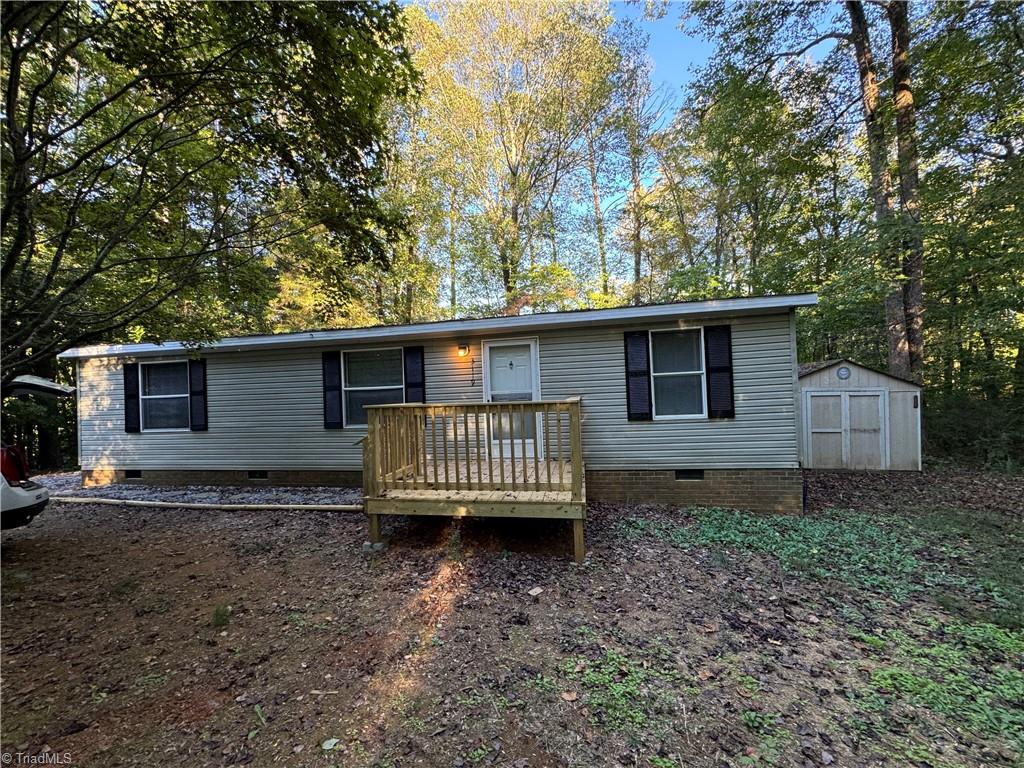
(192, 171)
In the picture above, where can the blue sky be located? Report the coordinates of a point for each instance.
(674, 53)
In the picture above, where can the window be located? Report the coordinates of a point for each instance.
(163, 395)
(371, 377)
(677, 373)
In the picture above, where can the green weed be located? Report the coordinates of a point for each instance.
(542, 683)
(851, 548)
(970, 676)
(478, 754)
(221, 616)
(616, 688)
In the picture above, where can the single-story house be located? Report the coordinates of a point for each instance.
(690, 403)
(855, 417)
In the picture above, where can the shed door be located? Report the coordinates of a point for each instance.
(846, 430)
(825, 423)
(865, 431)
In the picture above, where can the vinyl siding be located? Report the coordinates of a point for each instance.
(266, 408)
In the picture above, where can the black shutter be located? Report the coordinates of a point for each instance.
(332, 390)
(131, 397)
(197, 395)
(415, 380)
(638, 376)
(718, 364)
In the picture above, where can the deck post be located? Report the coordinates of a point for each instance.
(576, 446)
(374, 529)
(579, 550)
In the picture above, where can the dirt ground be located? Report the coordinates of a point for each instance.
(688, 638)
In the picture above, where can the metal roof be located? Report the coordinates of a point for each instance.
(469, 326)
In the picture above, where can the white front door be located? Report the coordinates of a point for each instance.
(511, 376)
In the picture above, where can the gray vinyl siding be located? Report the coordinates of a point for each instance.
(266, 408)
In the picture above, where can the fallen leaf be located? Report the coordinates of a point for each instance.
(570, 695)
(330, 744)
(535, 591)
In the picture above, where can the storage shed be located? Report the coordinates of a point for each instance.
(855, 417)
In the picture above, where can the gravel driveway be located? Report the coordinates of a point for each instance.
(70, 484)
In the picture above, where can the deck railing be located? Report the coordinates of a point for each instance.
(497, 446)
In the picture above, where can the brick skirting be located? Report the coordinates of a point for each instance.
(758, 490)
(340, 478)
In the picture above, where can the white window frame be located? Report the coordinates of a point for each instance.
(344, 400)
(703, 376)
(143, 397)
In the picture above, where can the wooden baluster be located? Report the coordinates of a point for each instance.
(393, 461)
(489, 440)
(512, 476)
(501, 443)
(399, 474)
(536, 449)
(426, 458)
(433, 442)
(558, 432)
(385, 446)
(444, 445)
(455, 446)
(547, 455)
(522, 441)
(476, 435)
(466, 446)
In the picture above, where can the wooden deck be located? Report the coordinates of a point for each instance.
(521, 459)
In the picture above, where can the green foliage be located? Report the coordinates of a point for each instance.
(158, 158)
(971, 676)
(221, 617)
(851, 548)
(970, 561)
(616, 688)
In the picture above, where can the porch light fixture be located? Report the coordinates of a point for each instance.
(463, 350)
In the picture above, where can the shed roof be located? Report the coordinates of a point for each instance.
(746, 305)
(806, 369)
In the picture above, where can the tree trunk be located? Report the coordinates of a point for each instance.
(1018, 373)
(910, 205)
(595, 194)
(453, 256)
(881, 188)
(637, 222)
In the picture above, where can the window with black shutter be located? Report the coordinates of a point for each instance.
(677, 373)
